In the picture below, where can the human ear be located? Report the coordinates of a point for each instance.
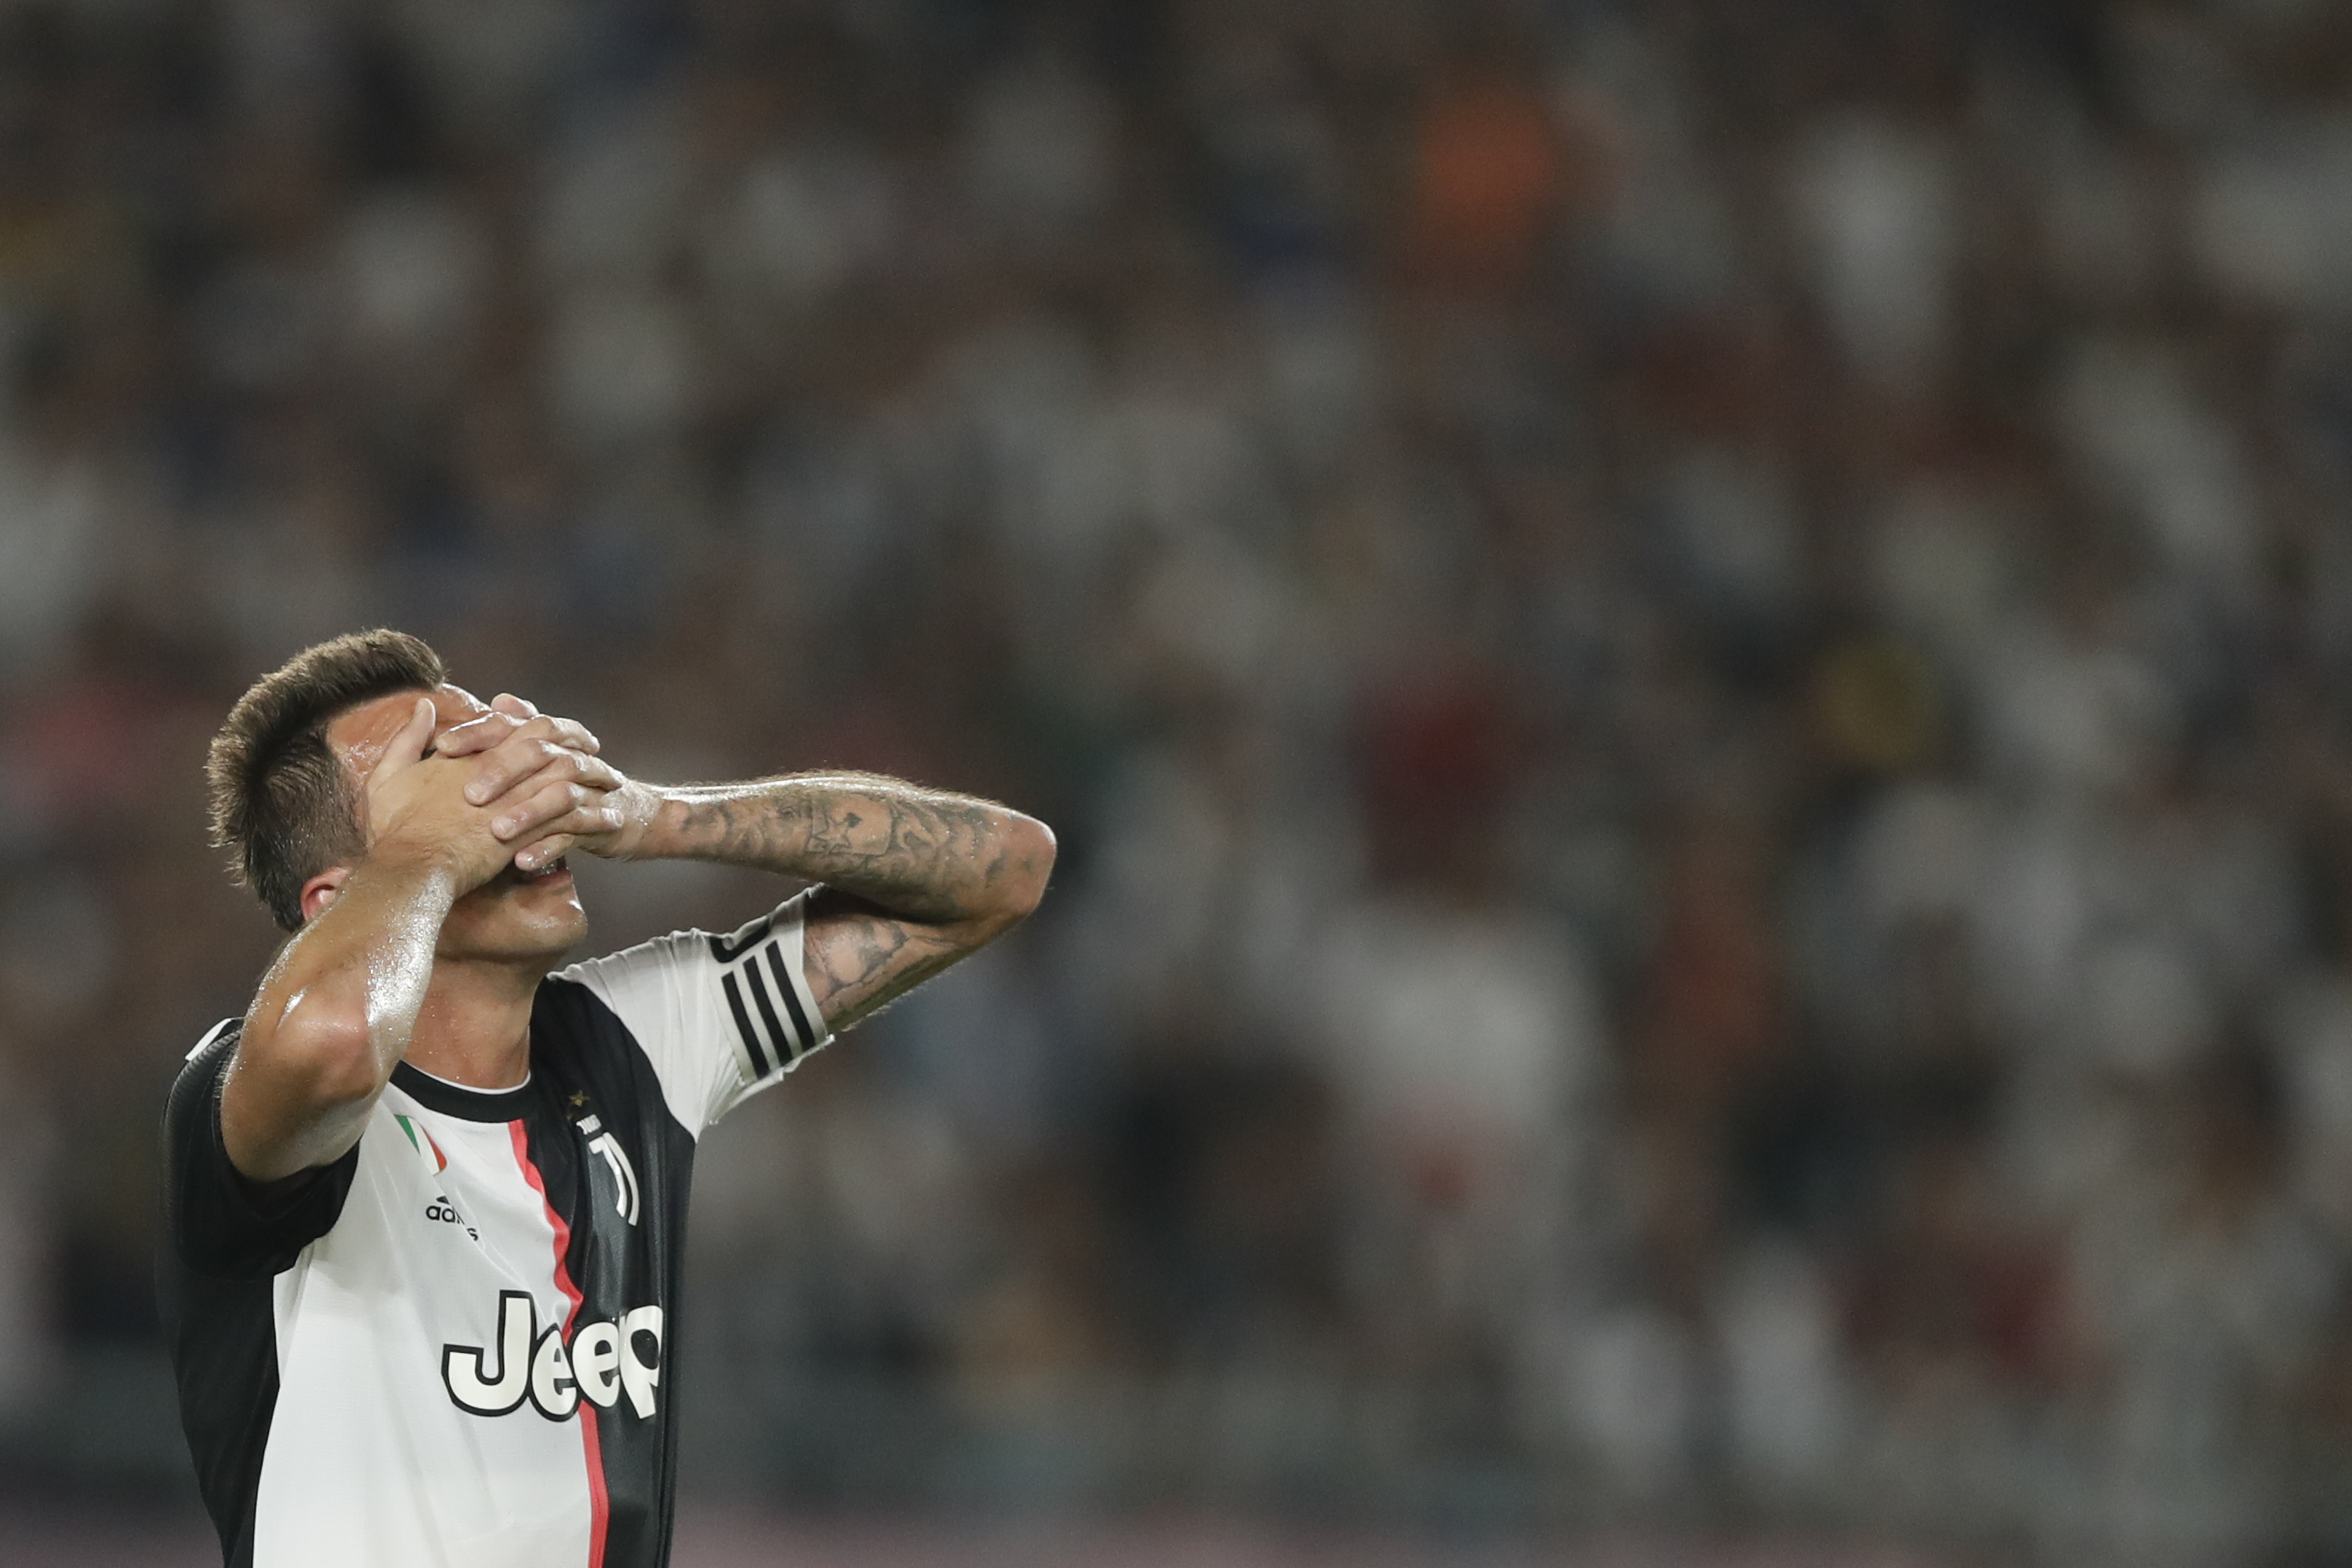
(320, 891)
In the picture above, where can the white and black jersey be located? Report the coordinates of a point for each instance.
(453, 1347)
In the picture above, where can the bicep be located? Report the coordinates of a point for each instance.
(859, 958)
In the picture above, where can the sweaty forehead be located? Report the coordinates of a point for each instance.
(359, 736)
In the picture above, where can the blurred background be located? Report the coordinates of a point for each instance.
(1691, 657)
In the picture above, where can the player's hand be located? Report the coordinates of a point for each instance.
(626, 813)
(549, 788)
(417, 810)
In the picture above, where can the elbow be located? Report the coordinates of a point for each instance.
(299, 1090)
(326, 1063)
(1029, 854)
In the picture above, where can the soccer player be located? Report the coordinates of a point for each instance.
(426, 1199)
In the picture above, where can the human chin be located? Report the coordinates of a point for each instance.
(517, 915)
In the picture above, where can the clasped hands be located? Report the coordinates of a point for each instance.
(504, 785)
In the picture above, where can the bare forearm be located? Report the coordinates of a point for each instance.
(376, 944)
(333, 1018)
(922, 854)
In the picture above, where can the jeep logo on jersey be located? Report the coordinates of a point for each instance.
(625, 1176)
(605, 1359)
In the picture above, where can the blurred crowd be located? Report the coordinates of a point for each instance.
(1691, 655)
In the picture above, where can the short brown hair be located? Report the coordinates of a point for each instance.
(281, 801)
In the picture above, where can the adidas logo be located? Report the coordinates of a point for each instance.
(443, 1211)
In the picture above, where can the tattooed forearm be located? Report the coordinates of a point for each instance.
(913, 880)
(915, 852)
(860, 960)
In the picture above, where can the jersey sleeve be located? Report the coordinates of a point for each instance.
(721, 1017)
(221, 1223)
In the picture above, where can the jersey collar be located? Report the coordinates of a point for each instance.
(440, 1095)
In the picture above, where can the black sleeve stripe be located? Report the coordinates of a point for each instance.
(759, 1067)
(775, 951)
(783, 1044)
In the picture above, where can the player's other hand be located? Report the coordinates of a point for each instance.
(417, 811)
(548, 787)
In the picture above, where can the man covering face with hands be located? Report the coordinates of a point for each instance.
(427, 1198)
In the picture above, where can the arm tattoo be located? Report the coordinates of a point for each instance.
(913, 878)
(859, 959)
(913, 852)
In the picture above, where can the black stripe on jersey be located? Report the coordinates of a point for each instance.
(807, 1035)
(759, 1067)
(784, 1042)
(617, 1266)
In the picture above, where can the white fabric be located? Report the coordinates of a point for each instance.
(671, 993)
(365, 1309)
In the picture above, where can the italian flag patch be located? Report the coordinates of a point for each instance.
(422, 1141)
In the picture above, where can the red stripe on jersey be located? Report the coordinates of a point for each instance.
(600, 1505)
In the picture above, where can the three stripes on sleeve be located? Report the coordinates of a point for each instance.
(774, 1019)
